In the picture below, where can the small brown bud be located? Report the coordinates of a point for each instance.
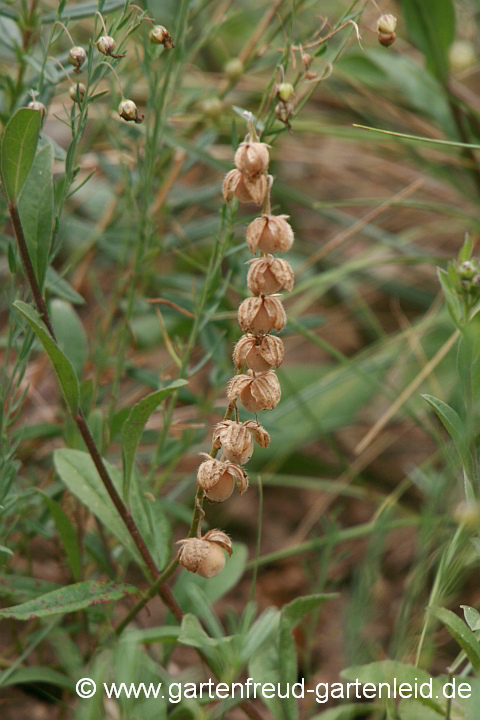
(270, 234)
(129, 111)
(252, 158)
(77, 57)
(260, 354)
(307, 60)
(244, 188)
(261, 315)
(159, 35)
(205, 556)
(235, 439)
(218, 479)
(39, 106)
(386, 24)
(257, 392)
(268, 275)
(77, 91)
(386, 40)
(285, 91)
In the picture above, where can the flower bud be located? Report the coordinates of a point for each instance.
(252, 158)
(234, 69)
(236, 439)
(218, 479)
(270, 234)
(205, 556)
(285, 91)
(245, 189)
(77, 57)
(268, 275)
(129, 111)
(106, 45)
(259, 353)
(386, 24)
(159, 35)
(77, 91)
(261, 315)
(462, 55)
(37, 105)
(257, 392)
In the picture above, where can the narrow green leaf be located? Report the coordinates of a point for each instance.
(455, 429)
(36, 211)
(454, 305)
(19, 588)
(19, 145)
(135, 424)
(69, 599)
(63, 367)
(67, 535)
(472, 617)
(36, 674)
(459, 630)
(61, 288)
(5, 550)
(78, 472)
(71, 335)
(82, 10)
(431, 27)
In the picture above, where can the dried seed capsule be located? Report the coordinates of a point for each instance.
(259, 353)
(261, 315)
(234, 69)
(129, 111)
(387, 24)
(77, 91)
(159, 35)
(218, 479)
(252, 158)
(270, 234)
(235, 439)
(245, 189)
(257, 392)
(268, 275)
(106, 45)
(284, 112)
(37, 105)
(77, 57)
(205, 556)
(462, 55)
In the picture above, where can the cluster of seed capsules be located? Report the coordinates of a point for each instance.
(106, 45)
(258, 350)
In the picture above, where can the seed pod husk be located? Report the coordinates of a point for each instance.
(205, 556)
(252, 158)
(219, 478)
(259, 353)
(270, 234)
(235, 441)
(77, 57)
(129, 111)
(268, 275)
(159, 35)
(261, 315)
(72, 92)
(39, 106)
(257, 392)
(238, 185)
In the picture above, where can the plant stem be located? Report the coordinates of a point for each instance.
(164, 592)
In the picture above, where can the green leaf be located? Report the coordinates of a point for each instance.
(58, 286)
(469, 362)
(71, 335)
(431, 27)
(455, 429)
(36, 674)
(462, 634)
(19, 587)
(63, 367)
(455, 307)
(193, 634)
(135, 425)
(69, 599)
(36, 211)
(472, 617)
(67, 535)
(19, 145)
(348, 711)
(78, 472)
(5, 550)
(82, 10)
(466, 249)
